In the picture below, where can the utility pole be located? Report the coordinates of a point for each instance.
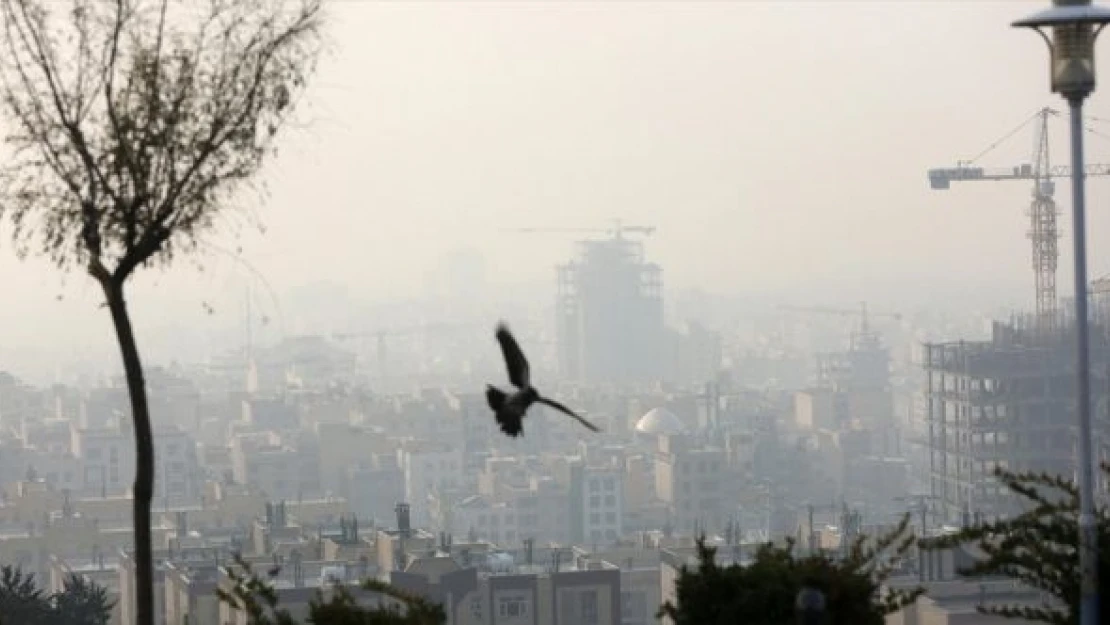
(919, 505)
(813, 543)
(812, 536)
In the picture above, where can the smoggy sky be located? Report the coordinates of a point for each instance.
(774, 145)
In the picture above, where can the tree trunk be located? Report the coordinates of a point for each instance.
(144, 451)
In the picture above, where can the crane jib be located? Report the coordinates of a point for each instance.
(942, 177)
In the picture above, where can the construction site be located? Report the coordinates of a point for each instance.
(609, 311)
(1010, 401)
(857, 378)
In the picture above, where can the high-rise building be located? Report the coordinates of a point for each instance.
(1009, 403)
(609, 313)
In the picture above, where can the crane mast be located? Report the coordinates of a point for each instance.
(864, 337)
(1044, 233)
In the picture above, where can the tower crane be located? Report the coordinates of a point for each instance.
(617, 230)
(1043, 231)
(812, 541)
(862, 338)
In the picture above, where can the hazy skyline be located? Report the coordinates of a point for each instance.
(775, 146)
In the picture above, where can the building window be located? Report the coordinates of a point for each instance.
(634, 608)
(589, 613)
(594, 486)
(610, 484)
(476, 608)
(513, 606)
(610, 518)
(610, 500)
(595, 518)
(94, 475)
(595, 501)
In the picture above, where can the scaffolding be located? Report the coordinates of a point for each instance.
(1008, 403)
(609, 308)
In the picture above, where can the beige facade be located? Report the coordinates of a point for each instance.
(102, 571)
(569, 597)
(691, 481)
(190, 595)
(814, 408)
(956, 602)
(296, 602)
(347, 445)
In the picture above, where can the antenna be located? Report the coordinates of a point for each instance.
(250, 328)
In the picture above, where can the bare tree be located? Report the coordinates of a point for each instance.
(131, 125)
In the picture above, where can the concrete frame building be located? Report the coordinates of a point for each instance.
(609, 314)
(1007, 403)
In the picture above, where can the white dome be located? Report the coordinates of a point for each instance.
(660, 422)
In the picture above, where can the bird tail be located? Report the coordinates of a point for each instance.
(495, 397)
(509, 424)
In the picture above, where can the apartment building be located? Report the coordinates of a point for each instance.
(428, 466)
(596, 501)
(280, 469)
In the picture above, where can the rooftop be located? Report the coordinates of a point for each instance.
(660, 422)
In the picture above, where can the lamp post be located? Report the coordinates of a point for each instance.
(809, 605)
(1074, 25)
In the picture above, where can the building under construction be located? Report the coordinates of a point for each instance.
(1009, 402)
(864, 365)
(859, 379)
(610, 313)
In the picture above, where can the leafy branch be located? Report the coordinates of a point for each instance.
(1038, 547)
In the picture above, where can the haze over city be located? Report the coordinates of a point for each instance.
(432, 126)
(802, 272)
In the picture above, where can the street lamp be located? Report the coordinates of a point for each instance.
(809, 605)
(1075, 24)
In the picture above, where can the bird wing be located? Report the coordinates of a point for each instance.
(515, 361)
(567, 411)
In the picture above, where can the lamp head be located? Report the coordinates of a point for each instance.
(1074, 26)
(810, 605)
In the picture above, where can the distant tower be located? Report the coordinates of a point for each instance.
(251, 385)
(610, 313)
(404, 525)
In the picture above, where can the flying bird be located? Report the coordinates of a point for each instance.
(509, 408)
